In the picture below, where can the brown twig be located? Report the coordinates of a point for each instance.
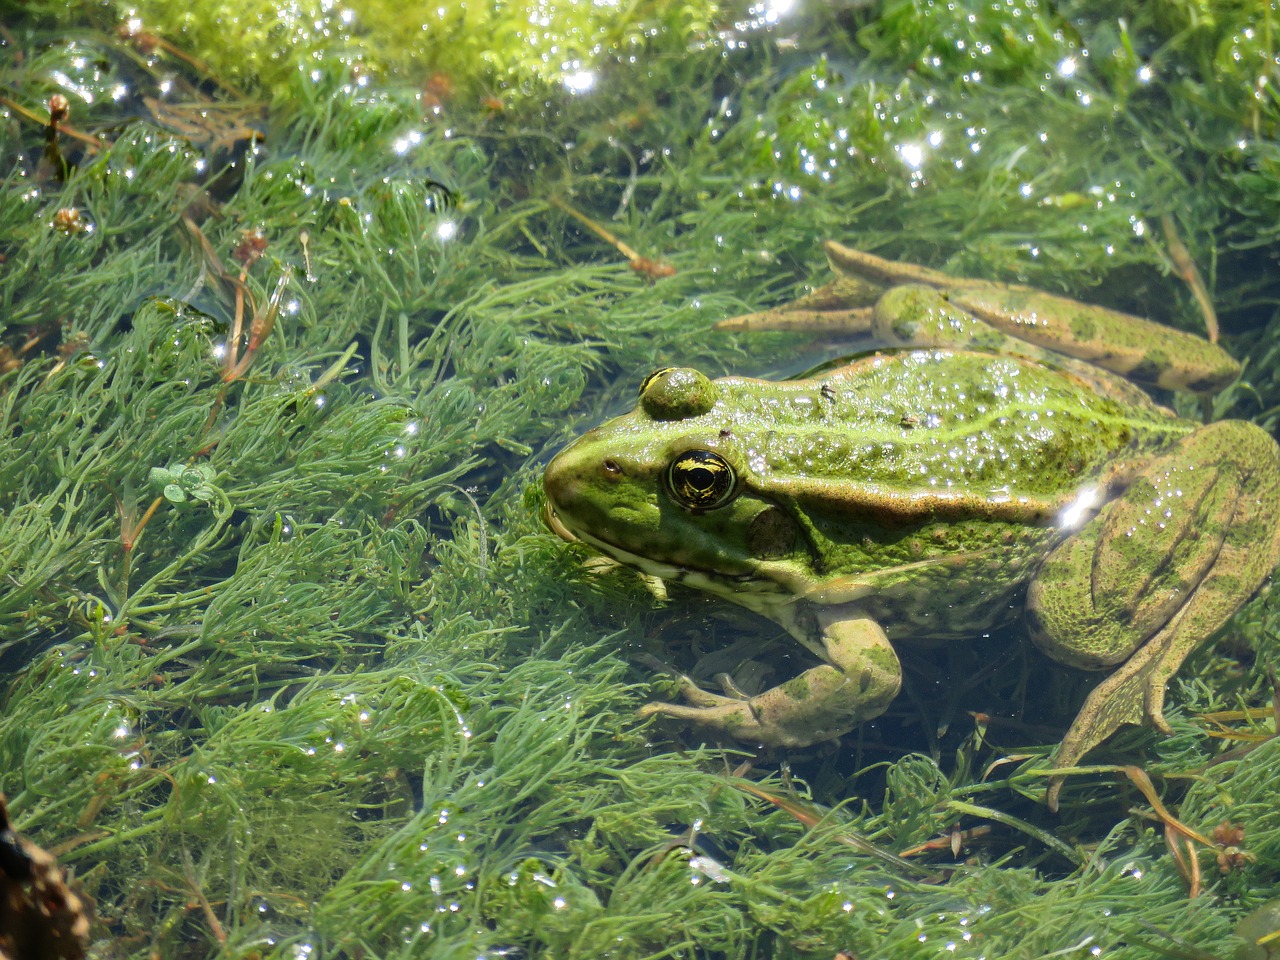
(215, 925)
(652, 269)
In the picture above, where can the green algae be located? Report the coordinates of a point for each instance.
(452, 48)
(356, 701)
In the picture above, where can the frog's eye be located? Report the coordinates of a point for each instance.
(656, 375)
(700, 480)
(674, 393)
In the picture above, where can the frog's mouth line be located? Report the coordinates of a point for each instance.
(737, 589)
(552, 520)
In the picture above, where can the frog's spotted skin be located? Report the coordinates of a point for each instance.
(918, 493)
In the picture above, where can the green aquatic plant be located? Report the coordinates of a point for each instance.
(180, 482)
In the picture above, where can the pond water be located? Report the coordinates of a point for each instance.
(300, 301)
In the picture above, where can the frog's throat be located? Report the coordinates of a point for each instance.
(739, 589)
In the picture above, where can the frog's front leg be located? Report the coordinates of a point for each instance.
(1156, 572)
(859, 680)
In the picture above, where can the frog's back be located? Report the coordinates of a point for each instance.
(938, 420)
(931, 482)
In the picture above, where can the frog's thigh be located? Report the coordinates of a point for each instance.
(1158, 571)
(921, 316)
(863, 676)
(1192, 537)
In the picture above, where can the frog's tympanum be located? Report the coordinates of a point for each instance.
(994, 461)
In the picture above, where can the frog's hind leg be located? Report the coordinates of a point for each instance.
(1156, 573)
(823, 702)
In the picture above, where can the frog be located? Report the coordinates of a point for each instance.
(994, 457)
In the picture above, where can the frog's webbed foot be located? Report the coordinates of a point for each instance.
(821, 703)
(730, 713)
(1156, 573)
(689, 688)
(1131, 694)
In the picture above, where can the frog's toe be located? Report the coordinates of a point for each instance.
(730, 717)
(689, 689)
(748, 719)
(1132, 694)
(730, 687)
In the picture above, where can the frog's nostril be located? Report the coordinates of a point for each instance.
(611, 469)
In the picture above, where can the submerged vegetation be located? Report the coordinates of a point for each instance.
(290, 665)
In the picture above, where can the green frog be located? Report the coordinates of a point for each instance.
(992, 460)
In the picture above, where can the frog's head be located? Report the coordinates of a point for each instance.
(665, 489)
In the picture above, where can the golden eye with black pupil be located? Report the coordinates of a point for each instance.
(700, 480)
